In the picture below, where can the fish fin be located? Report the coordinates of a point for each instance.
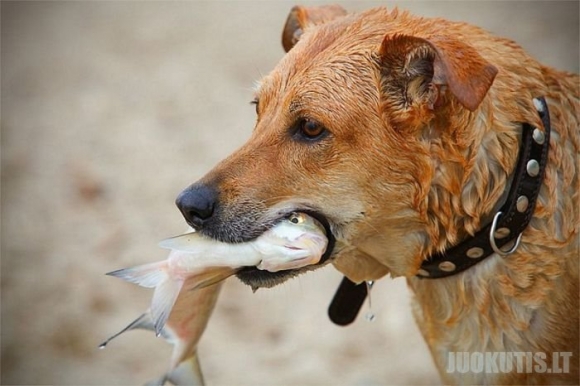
(158, 382)
(187, 373)
(147, 275)
(182, 242)
(164, 298)
(208, 277)
(142, 322)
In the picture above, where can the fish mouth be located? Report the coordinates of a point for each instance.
(257, 278)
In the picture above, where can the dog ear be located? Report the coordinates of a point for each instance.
(302, 17)
(421, 67)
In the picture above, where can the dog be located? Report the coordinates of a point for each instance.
(403, 136)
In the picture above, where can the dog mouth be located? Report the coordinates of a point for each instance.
(257, 278)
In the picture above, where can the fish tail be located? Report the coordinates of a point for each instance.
(147, 275)
(154, 275)
(142, 322)
(187, 373)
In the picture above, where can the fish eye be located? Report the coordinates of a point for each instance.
(296, 218)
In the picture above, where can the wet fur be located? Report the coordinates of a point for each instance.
(413, 166)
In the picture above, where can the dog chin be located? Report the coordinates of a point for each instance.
(257, 278)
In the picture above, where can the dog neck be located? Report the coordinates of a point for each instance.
(350, 296)
(517, 303)
(513, 217)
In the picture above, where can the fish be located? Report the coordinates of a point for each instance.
(197, 261)
(183, 330)
(188, 282)
(294, 242)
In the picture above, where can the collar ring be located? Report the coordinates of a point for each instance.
(494, 246)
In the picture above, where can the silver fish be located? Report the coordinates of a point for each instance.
(294, 242)
(196, 261)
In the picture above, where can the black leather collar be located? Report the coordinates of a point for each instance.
(513, 217)
(507, 225)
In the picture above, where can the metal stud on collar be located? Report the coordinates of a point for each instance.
(522, 204)
(502, 233)
(475, 253)
(423, 272)
(533, 168)
(447, 266)
(539, 106)
(538, 136)
(494, 246)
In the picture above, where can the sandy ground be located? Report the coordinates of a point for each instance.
(109, 109)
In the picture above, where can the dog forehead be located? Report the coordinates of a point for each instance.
(323, 91)
(326, 64)
(333, 43)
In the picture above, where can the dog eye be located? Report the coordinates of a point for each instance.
(256, 103)
(310, 129)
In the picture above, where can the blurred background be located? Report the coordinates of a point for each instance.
(110, 109)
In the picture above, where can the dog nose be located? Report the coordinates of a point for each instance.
(197, 203)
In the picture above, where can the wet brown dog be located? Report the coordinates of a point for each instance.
(401, 134)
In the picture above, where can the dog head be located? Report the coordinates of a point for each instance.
(362, 125)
